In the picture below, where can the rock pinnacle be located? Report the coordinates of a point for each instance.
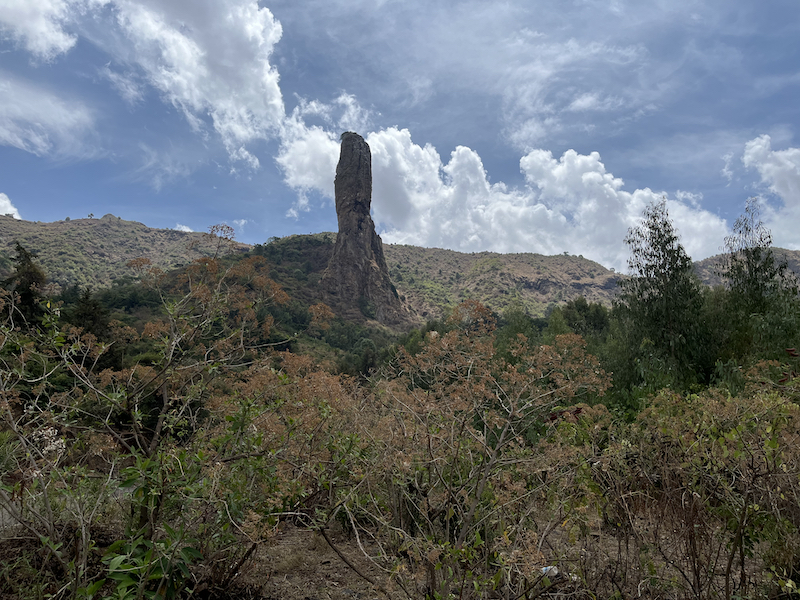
(357, 278)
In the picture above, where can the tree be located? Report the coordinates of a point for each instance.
(90, 314)
(754, 275)
(25, 285)
(457, 421)
(146, 427)
(661, 301)
(585, 318)
(760, 306)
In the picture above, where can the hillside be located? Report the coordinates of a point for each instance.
(94, 252)
(432, 278)
(707, 270)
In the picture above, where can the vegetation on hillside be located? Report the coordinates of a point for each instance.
(155, 436)
(93, 252)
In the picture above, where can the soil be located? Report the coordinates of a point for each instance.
(298, 564)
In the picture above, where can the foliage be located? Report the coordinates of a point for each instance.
(754, 274)
(761, 303)
(659, 306)
(154, 437)
(453, 421)
(141, 431)
(587, 319)
(25, 287)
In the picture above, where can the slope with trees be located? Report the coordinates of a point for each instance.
(489, 455)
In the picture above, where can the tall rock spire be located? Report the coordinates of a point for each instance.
(357, 279)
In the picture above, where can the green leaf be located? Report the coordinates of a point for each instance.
(191, 554)
(92, 588)
(115, 562)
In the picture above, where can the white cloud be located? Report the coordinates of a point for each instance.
(690, 198)
(780, 173)
(570, 204)
(7, 208)
(240, 223)
(39, 25)
(779, 169)
(184, 228)
(726, 171)
(354, 117)
(308, 153)
(126, 85)
(160, 168)
(598, 212)
(404, 177)
(593, 101)
(210, 59)
(37, 121)
(308, 157)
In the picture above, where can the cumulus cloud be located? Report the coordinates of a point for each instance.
(37, 121)
(184, 228)
(569, 204)
(780, 173)
(7, 208)
(779, 169)
(597, 211)
(308, 157)
(309, 152)
(240, 223)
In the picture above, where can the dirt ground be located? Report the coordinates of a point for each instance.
(297, 564)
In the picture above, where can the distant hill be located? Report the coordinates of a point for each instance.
(94, 252)
(708, 270)
(431, 279)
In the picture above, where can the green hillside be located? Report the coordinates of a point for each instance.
(94, 252)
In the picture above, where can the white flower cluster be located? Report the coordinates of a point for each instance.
(49, 442)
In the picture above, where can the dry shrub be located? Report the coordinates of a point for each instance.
(697, 498)
(454, 498)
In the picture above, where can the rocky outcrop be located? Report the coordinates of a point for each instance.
(356, 282)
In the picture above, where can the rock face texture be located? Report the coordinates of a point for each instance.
(356, 282)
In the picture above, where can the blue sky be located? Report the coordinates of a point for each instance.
(518, 126)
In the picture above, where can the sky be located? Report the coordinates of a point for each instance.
(515, 126)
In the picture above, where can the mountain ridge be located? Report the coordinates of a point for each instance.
(94, 253)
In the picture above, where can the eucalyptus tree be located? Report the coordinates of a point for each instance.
(761, 306)
(658, 308)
